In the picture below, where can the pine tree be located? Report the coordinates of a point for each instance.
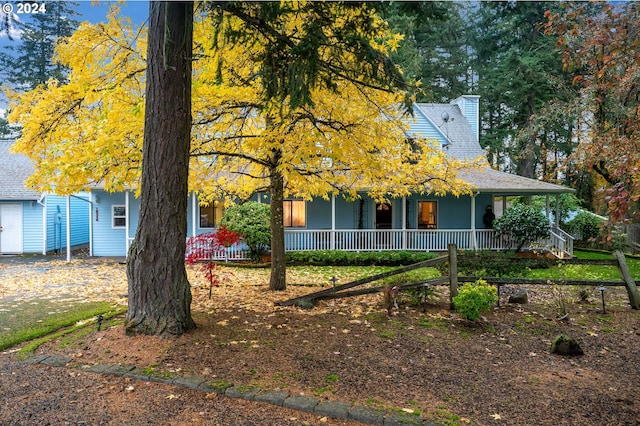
(28, 62)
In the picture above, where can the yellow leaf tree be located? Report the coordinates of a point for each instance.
(260, 122)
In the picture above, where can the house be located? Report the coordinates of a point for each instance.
(416, 222)
(35, 222)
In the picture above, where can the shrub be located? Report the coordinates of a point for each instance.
(348, 258)
(498, 264)
(586, 226)
(472, 299)
(251, 219)
(202, 248)
(523, 224)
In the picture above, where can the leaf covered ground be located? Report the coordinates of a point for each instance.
(435, 364)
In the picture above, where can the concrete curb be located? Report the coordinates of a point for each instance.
(333, 409)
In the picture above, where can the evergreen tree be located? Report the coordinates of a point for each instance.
(520, 76)
(28, 62)
(434, 50)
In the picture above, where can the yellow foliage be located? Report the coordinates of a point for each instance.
(352, 139)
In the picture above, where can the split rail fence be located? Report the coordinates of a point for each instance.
(453, 279)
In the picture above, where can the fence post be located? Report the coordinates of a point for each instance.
(632, 290)
(453, 272)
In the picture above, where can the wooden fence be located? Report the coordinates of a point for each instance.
(345, 290)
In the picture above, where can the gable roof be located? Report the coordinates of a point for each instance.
(456, 130)
(14, 170)
(448, 121)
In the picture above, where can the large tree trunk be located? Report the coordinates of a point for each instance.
(278, 262)
(159, 292)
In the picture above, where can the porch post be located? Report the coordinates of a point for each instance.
(557, 211)
(404, 222)
(474, 240)
(68, 228)
(333, 222)
(126, 221)
(547, 206)
(194, 208)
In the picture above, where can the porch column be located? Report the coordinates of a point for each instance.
(68, 228)
(126, 221)
(333, 222)
(474, 240)
(557, 211)
(547, 209)
(404, 223)
(194, 211)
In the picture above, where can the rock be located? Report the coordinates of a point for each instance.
(567, 346)
(521, 297)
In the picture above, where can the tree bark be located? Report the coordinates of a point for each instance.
(159, 291)
(278, 280)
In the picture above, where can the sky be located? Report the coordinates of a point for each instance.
(88, 10)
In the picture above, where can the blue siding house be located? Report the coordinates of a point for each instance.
(416, 222)
(34, 222)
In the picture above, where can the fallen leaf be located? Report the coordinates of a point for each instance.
(496, 416)
(172, 396)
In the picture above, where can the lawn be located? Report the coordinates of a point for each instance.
(29, 319)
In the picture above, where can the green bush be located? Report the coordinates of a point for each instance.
(349, 258)
(251, 219)
(523, 224)
(498, 264)
(585, 225)
(472, 299)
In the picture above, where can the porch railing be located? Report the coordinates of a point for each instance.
(416, 239)
(559, 242)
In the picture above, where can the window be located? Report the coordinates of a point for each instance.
(427, 214)
(295, 215)
(119, 216)
(211, 215)
(502, 203)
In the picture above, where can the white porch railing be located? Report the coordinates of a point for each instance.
(559, 242)
(415, 239)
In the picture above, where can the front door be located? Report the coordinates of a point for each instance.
(11, 228)
(384, 216)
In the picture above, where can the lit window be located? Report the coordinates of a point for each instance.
(427, 215)
(295, 215)
(119, 216)
(211, 215)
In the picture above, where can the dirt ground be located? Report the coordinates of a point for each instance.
(496, 370)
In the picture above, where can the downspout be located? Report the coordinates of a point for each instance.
(91, 201)
(68, 221)
(43, 202)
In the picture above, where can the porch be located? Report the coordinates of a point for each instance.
(436, 240)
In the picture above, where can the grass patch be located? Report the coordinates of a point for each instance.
(63, 330)
(27, 320)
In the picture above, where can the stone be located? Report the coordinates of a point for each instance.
(520, 297)
(566, 346)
